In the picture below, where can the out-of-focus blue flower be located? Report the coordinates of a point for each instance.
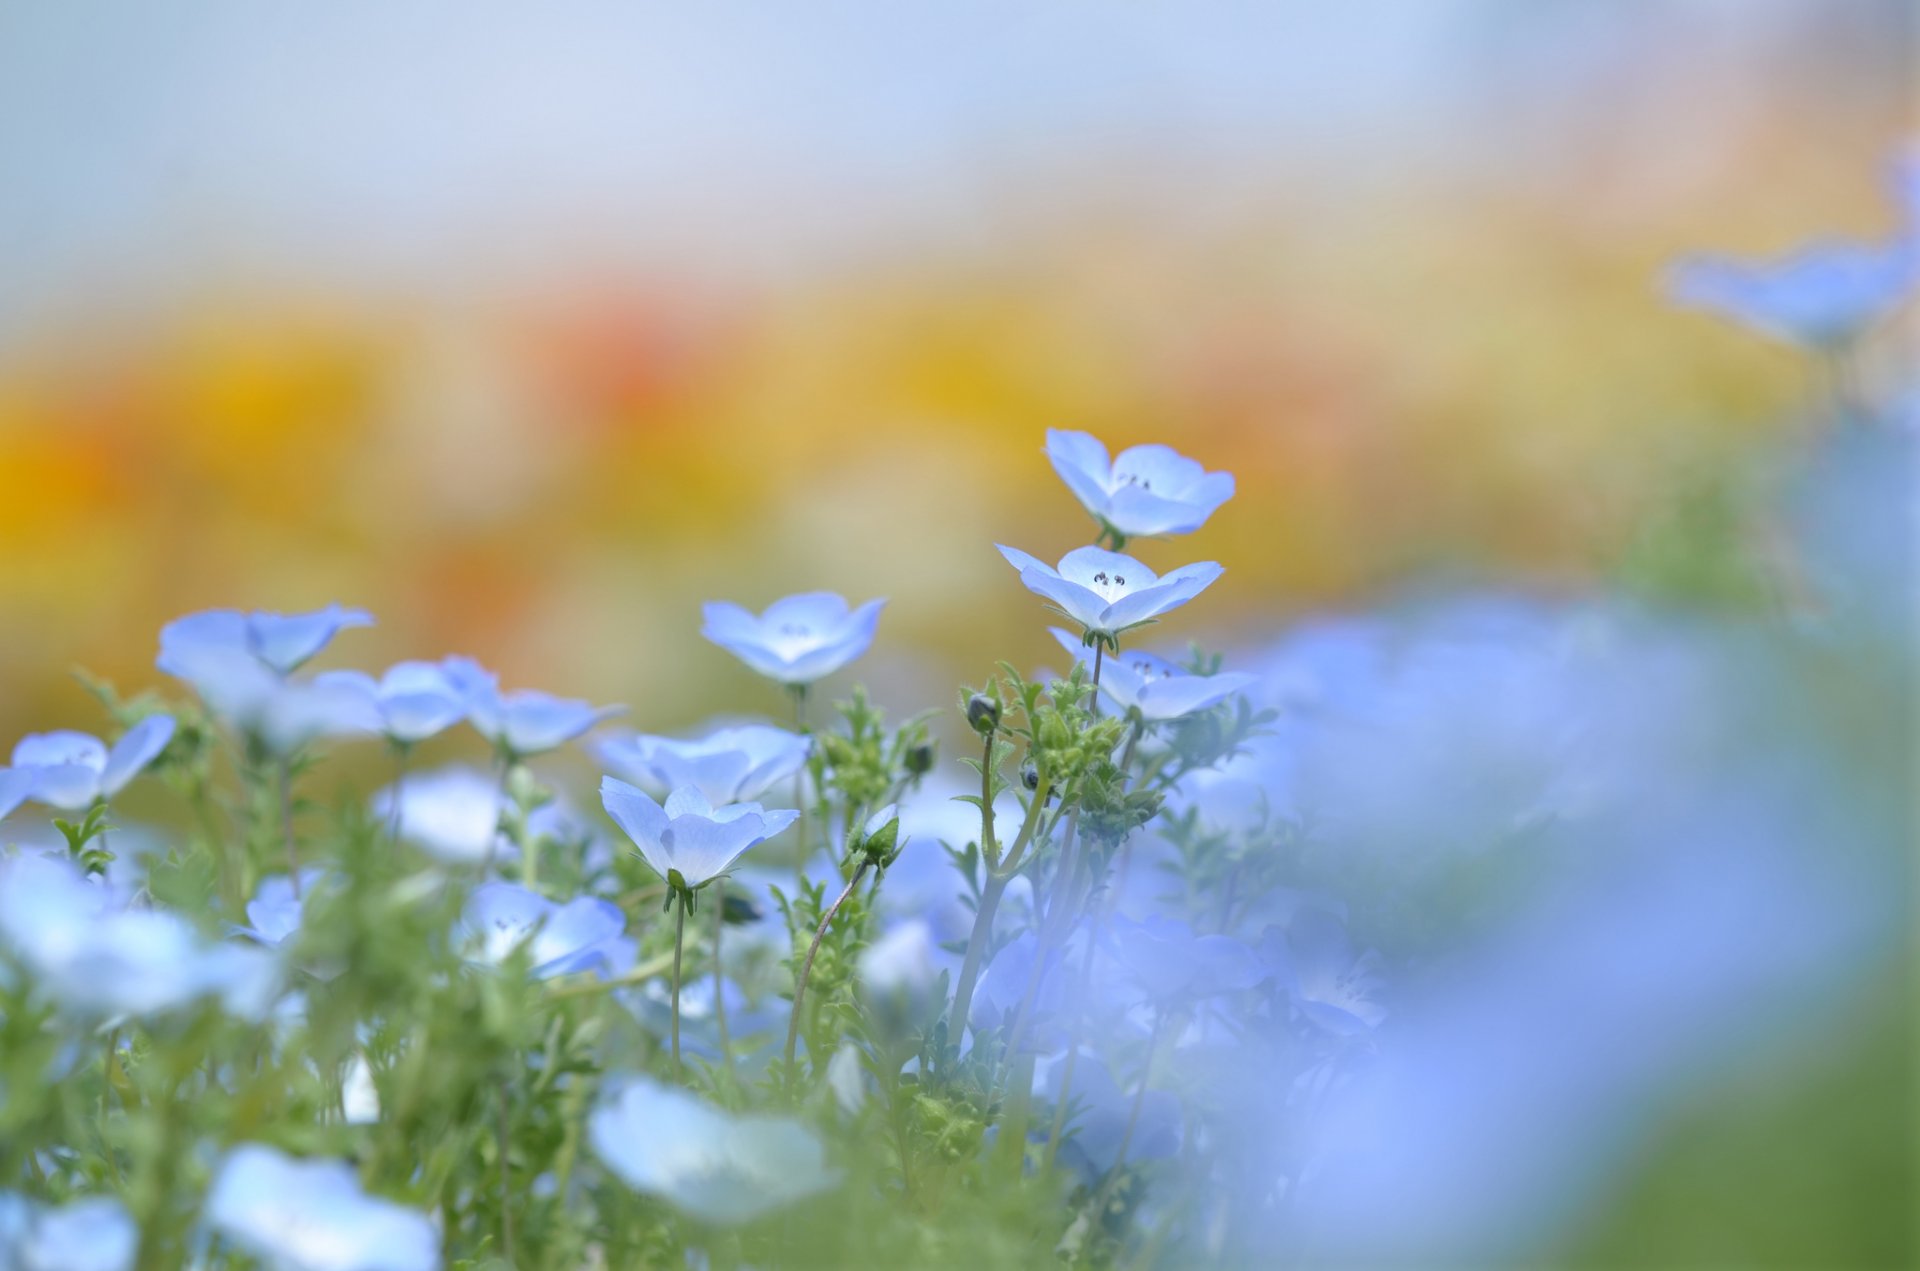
(280, 642)
(93, 1233)
(1101, 1112)
(799, 639)
(1170, 963)
(753, 1026)
(98, 960)
(525, 722)
(273, 915)
(719, 1168)
(689, 842)
(1822, 296)
(1108, 593)
(584, 934)
(1146, 490)
(241, 666)
(1153, 686)
(413, 700)
(453, 814)
(729, 765)
(312, 1215)
(1009, 981)
(1328, 982)
(900, 978)
(69, 770)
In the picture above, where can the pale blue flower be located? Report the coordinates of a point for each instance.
(93, 1233)
(797, 640)
(413, 700)
(717, 1167)
(1101, 1111)
(273, 915)
(313, 1216)
(1146, 490)
(97, 959)
(70, 770)
(1153, 686)
(1171, 963)
(1823, 296)
(689, 842)
(524, 722)
(1328, 983)
(729, 765)
(754, 1026)
(1108, 593)
(240, 665)
(1009, 981)
(584, 934)
(280, 642)
(453, 814)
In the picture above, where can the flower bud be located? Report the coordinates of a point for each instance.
(918, 760)
(880, 836)
(1030, 776)
(983, 713)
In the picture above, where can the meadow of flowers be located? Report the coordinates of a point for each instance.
(1383, 939)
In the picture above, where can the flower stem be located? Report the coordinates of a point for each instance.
(286, 825)
(400, 750)
(976, 950)
(719, 979)
(988, 848)
(1140, 1094)
(679, 935)
(806, 968)
(506, 1207)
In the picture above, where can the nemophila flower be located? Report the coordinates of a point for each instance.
(453, 813)
(1009, 981)
(524, 722)
(1155, 687)
(69, 770)
(1146, 490)
(93, 1233)
(1169, 962)
(689, 842)
(241, 664)
(1101, 1111)
(96, 959)
(312, 1216)
(1328, 983)
(718, 1167)
(799, 639)
(1823, 296)
(584, 934)
(1108, 593)
(273, 915)
(729, 765)
(280, 642)
(412, 701)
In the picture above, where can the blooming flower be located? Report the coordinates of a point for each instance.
(524, 722)
(1327, 982)
(1822, 296)
(1107, 593)
(274, 911)
(1101, 1112)
(453, 814)
(69, 770)
(241, 666)
(689, 842)
(727, 766)
(1146, 490)
(1167, 961)
(719, 1168)
(312, 1215)
(281, 642)
(799, 639)
(1155, 687)
(585, 934)
(97, 959)
(412, 701)
(93, 1233)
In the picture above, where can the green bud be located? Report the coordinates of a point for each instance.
(983, 713)
(918, 760)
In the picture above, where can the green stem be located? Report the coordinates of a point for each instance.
(1062, 1098)
(976, 950)
(506, 1204)
(988, 847)
(641, 972)
(719, 979)
(679, 935)
(806, 968)
(286, 825)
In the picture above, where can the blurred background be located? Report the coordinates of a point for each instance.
(529, 329)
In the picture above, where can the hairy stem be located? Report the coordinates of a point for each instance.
(286, 825)
(806, 968)
(679, 935)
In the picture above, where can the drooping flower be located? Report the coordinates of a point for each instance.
(280, 642)
(93, 1233)
(720, 1168)
(313, 1216)
(1108, 593)
(413, 700)
(97, 959)
(729, 765)
(453, 814)
(689, 842)
(1155, 687)
(69, 770)
(525, 722)
(584, 934)
(1823, 296)
(798, 639)
(1146, 490)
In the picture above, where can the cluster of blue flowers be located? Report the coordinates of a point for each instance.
(1379, 947)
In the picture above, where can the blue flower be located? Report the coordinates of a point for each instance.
(525, 722)
(1101, 1111)
(585, 934)
(312, 1215)
(413, 700)
(689, 842)
(97, 959)
(717, 1167)
(1327, 982)
(1822, 296)
(452, 814)
(274, 912)
(70, 770)
(241, 666)
(1168, 962)
(1005, 985)
(1155, 687)
(797, 640)
(1107, 593)
(93, 1233)
(1146, 490)
(280, 642)
(727, 766)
